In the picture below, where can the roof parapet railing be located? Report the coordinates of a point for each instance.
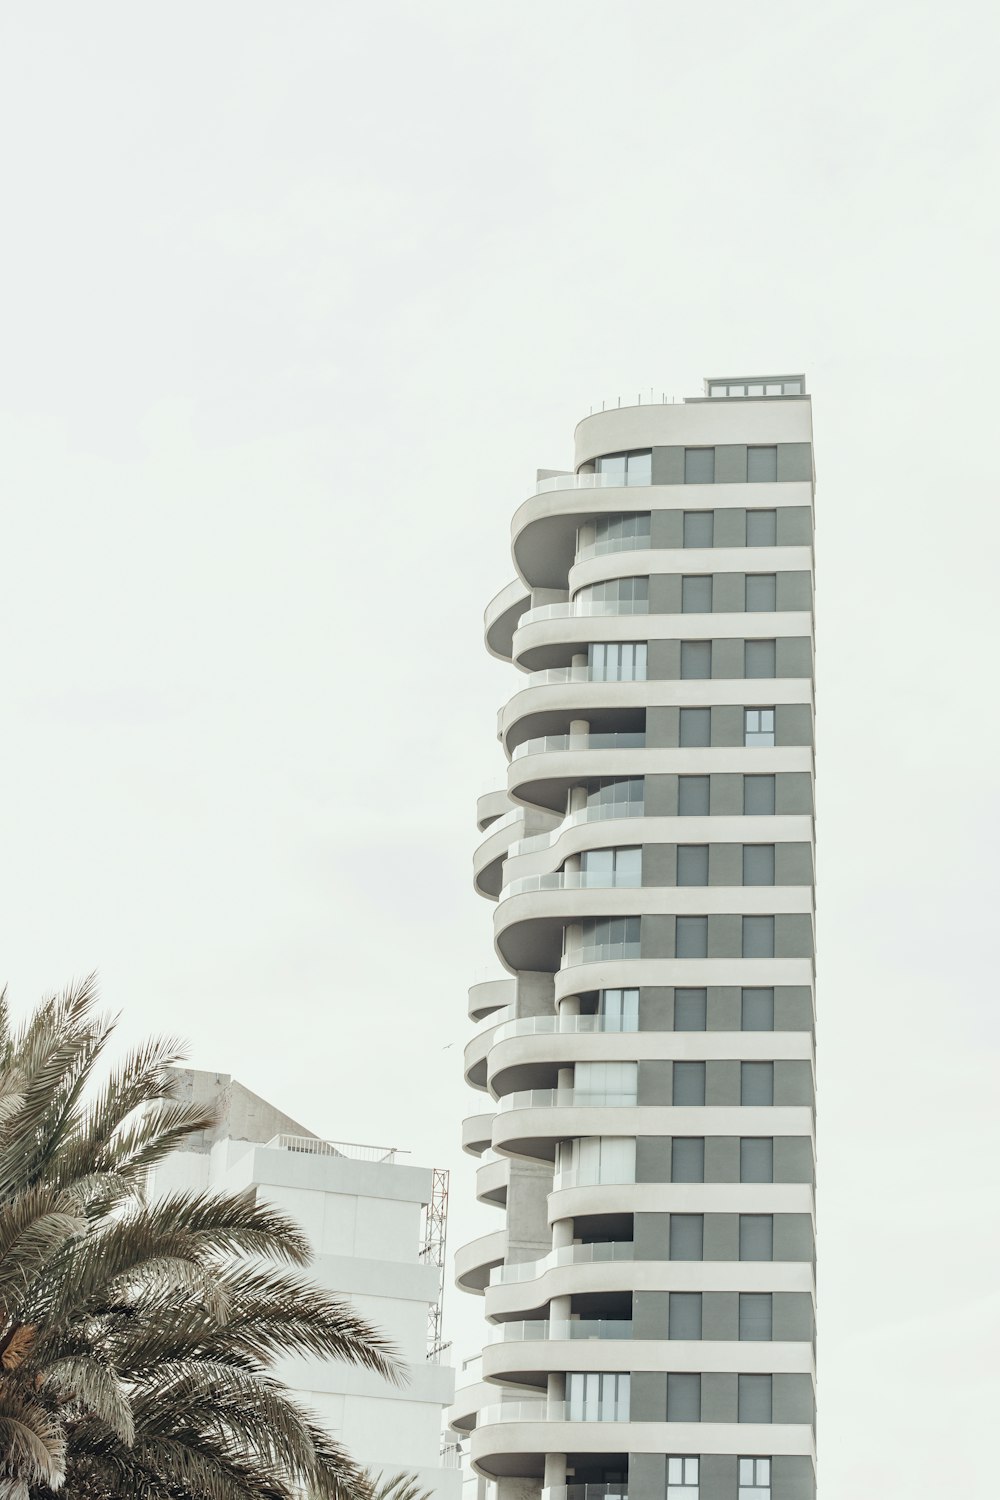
(311, 1145)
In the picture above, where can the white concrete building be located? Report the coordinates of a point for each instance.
(362, 1210)
(646, 1067)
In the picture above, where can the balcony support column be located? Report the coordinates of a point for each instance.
(555, 1470)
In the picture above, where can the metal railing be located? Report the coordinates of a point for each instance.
(309, 1145)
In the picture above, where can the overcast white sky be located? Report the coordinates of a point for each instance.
(296, 298)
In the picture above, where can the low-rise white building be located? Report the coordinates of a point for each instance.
(362, 1210)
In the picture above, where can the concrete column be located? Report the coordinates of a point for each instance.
(555, 1470)
(577, 794)
(559, 1309)
(562, 1233)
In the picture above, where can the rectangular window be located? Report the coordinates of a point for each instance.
(622, 533)
(699, 528)
(756, 1237)
(699, 465)
(622, 798)
(755, 1317)
(758, 796)
(758, 864)
(696, 659)
(609, 937)
(597, 1397)
(755, 1479)
(696, 595)
(684, 1398)
(690, 1007)
(692, 864)
(687, 1158)
(759, 659)
(691, 937)
(693, 796)
(758, 937)
(696, 727)
(685, 1315)
(687, 1236)
(761, 591)
(754, 1398)
(626, 468)
(756, 1159)
(619, 1010)
(758, 727)
(758, 1009)
(682, 1479)
(762, 528)
(592, 1160)
(613, 596)
(757, 1083)
(601, 869)
(689, 1083)
(617, 661)
(762, 464)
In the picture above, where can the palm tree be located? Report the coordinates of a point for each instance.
(137, 1339)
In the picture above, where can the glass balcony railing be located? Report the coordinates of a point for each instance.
(566, 1255)
(609, 544)
(573, 1177)
(541, 1330)
(568, 1099)
(599, 813)
(625, 740)
(610, 1491)
(552, 1411)
(600, 953)
(592, 482)
(574, 880)
(548, 1025)
(584, 608)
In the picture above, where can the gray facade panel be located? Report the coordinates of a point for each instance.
(662, 728)
(793, 591)
(648, 1397)
(730, 527)
(656, 937)
(718, 1397)
(722, 1237)
(659, 864)
(793, 935)
(793, 724)
(660, 796)
(793, 795)
(722, 1082)
(720, 1315)
(654, 1082)
(717, 1474)
(728, 593)
(792, 1319)
(647, 1472)
(792, 1398)
(727, 658)
(722, 1158)
(725, 935)
(724, 1008)
(727, 724)
(731, 463)
(792, 863)
(663, 661)
(656, 1008)
(793, 1083)
(651, 1236)
(652, 1158)
(795, 461)
(725, 864)
(668, 465)
(793, 1237)
(651, 1315)
(795, 526)
(793, 1477)
(727, 794)
(793, 1008)
(793, 656)
(793, 1158)
(664, 594)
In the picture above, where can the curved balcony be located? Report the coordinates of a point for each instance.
(477, 1050)
(488, 859)
(543, 643)
(601, 812)
(491, 806)
(544, 528)
(501, 616)
(493, 1179)
(542, 744)
(565, 1255)
(474, 1261)
(489, 996)
(477, 1131)
(530, 1361)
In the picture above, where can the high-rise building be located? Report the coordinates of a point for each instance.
(647, 1128)
(376, 1227)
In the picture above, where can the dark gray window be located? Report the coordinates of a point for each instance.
(610, 937)
(692, 937)
(758, 1009)
(687, 1158)
(622, 533)
(762, 528)
(683, 1398)
(699, 465)
(754, 1398)
(696, 727)
(687, 1237)
(693, 796)
(621, 798)
(758, 796)
(689, 1083)
(692, 864)
(759, 659)
(696, 595)
(685, 1315)
(696, 659)
(755, 1316)
(761, 592)
(690, 1006)
(756, 1159)
(699, 528)
(758, 937)
(758, 864)
(762, 464)
(756, 1237)
(757, 1083)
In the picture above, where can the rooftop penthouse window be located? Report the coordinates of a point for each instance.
(759, 385)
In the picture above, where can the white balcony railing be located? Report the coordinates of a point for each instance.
(552, 1411)
(599, 813)
(308, 1145)
(557, 1025)
(590, 482)
(574, 880)
(583, 609)
(566, 1255)
(568, 1099)
(540, 1330)
(622, 740)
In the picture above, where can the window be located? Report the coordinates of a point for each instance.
(691, 937)
(627, 468)
(696, 595)
(758, 727)
(615, 596)
(692, 864)
(617, 799)
(761, 592)
(758, 1009)
(619, 534)
(754, 1398)
(756, 1159)
(755, 1476)
(596, 1159)
(699, 465)
(617, 661)
(699, 528)
(696, 659)
(685, 1315)
(696, 727)
(755, 1316)
(758, 796)
(682, 1479)
(689, 1083)
(597, 1397)
(610, 1083)
(759, 659)
(762, 528)
(776, 386)
(609, 937)
(619, 1010)
(601, 869)
(690, 1006)
(687, 1158)
(683, 1398)
(692, 796)
(757, 1083)
(758, 864)
(687, 1236)
(762, 464)
(758, 937)
(756, 1237)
